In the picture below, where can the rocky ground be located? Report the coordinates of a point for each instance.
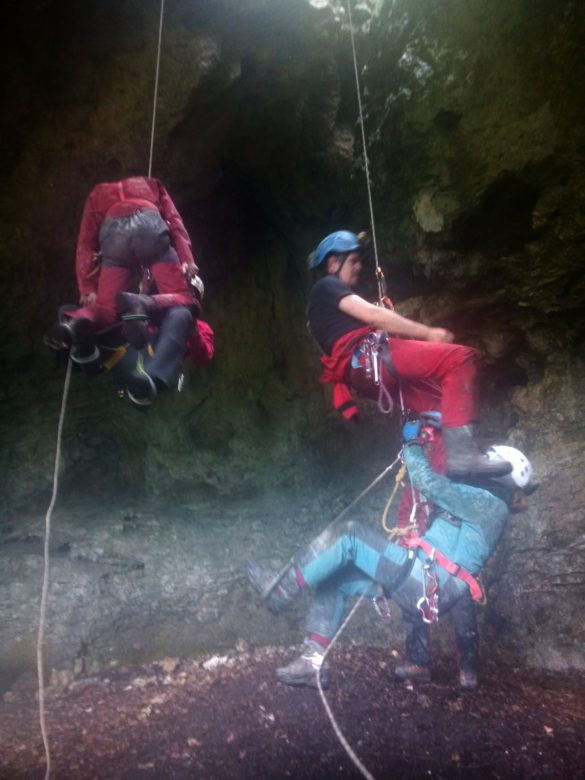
(221, 717)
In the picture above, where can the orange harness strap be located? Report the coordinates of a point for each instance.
(450, 566)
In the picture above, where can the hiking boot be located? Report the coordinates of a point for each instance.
(282, 594)
(464, 456)
(304, 669)
(468, 680)
(135, 311)
(413, 672)
(141, 389)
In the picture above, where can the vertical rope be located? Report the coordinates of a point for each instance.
(155, 101)
(363, 131)
(45, 590)
(338, 733)
(366, 161)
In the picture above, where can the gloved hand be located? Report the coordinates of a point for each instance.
(411, 431)
(419, 429)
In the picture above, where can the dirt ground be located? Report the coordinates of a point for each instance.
(227, 717)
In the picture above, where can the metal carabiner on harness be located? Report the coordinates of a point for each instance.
(428, 604)
(380, 604)
(376, 361)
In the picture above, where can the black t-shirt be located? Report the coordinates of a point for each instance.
(327, 322)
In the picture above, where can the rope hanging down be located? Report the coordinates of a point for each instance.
(45, 590)
(155, 100)
(364, 144)
(338, 733)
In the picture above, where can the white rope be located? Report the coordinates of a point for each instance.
(45, 590)
(364, 144)
(338, 733)
(154, 106)
(366, 161)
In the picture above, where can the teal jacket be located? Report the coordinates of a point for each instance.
(480, 517)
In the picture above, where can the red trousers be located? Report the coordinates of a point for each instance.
(441, 377)
(172, 286)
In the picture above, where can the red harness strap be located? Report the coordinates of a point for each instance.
(450, 566)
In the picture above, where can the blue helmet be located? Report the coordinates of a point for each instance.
(335, 243)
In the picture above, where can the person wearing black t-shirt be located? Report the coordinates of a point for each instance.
(431, 371)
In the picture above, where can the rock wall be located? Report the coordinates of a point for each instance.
(473, 115)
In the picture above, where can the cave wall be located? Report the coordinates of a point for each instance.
(475, 122)
(474, 117)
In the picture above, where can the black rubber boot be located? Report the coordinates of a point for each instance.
(464, 456)
(77, 334)
(136, 311)
(282, 594)
(169, 347)
(464, 619)
(141, 389)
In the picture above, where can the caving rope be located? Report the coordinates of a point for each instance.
(156, 75)
(46, 555)
(45, 588)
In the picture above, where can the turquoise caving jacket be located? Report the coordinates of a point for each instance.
(483, 516)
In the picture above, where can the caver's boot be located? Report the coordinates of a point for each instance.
(465, 457)
(413, 672)
(282, 594)
(304, 669)
(76, 333)
(135, 311)
(141, 389)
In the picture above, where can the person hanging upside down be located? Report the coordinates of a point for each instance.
(430, 371)
(428, 577)
(126, 227)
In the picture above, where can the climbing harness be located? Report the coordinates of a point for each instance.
(428, 604)
(373, 351)
(450, 566)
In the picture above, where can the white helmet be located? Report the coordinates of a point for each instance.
(521, 474)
